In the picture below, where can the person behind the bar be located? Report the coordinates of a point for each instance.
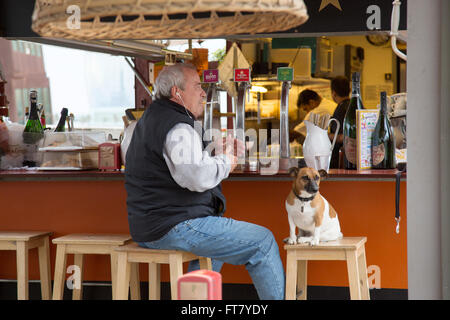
(175, 204)
(340, 91)
(310, 101)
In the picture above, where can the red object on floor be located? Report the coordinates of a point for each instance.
(200, 285)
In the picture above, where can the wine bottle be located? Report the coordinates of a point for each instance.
(383, 140)
(33, 125)
(350, 123)
(33, 132)
(61, 127)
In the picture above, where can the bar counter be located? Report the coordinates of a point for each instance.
(95, 202)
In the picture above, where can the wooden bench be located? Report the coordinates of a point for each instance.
(22, 242)
(349, 249)
(80, 244)
(132, 253)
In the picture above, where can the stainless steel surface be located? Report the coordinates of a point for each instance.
(284, 120)
(211, 100)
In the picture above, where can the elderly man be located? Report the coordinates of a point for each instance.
(175, 199)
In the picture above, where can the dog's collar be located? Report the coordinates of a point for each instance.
(301, 198)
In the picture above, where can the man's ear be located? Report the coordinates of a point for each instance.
(323, 174)
(293, 171)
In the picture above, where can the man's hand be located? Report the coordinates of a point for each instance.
(232, 148)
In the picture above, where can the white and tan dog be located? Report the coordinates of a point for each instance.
(309, 211)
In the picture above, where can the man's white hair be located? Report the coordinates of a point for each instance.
(170, 76)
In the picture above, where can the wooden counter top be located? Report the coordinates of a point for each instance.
(281, 175)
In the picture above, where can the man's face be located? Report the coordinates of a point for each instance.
(311, 105)
(193, 95)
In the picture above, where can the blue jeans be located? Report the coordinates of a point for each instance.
(230, 241)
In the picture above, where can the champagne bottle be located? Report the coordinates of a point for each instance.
(33, 132)
(349, 124)
(33, 125)
(383, 140)
(61, 127)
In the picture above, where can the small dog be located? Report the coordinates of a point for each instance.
(309, 211)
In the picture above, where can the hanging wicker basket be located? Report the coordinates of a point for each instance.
(164, 19)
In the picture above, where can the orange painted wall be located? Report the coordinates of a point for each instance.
(365, 208)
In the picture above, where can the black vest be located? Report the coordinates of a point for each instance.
(155, 202)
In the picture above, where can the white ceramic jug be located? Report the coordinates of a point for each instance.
(317, 146)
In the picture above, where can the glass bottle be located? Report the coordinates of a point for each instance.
(33, 132)
(383, 140)
(350, 156)
(61, 127)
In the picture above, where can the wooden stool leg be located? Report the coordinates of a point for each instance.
(135, 287)
(154, 281)
(291, 275)
(205, 263)
(123, 277)
(176, 270)
(362, 267)
(60, 271)
(302, 271)
(353, 274)
(44, 269)
(77, 293)
(114, 262)
(22, 270)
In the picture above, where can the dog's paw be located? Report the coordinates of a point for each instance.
(304, 239)
(314, 241)
(290, 240)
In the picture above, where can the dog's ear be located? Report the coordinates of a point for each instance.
(323, 174)
(293, 171)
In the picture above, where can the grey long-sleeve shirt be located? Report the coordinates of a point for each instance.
(189, 165)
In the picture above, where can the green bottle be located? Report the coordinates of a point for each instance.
(383, 140)
(61, 127)
(33, 132)
(350, 156)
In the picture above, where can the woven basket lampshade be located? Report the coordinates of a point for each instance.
(164, 19)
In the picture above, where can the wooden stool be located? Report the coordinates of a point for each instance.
(80, 244)
(21, 242)
(132, 253)
(349, 249)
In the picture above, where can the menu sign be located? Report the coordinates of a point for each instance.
(211, 76)
(241, 75)
(366, 120)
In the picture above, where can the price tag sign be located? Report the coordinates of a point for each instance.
(241, 75)
(285, 74)
(211, 76)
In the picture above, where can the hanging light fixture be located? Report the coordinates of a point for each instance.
(164, 19)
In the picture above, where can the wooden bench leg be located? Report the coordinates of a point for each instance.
(205, 263)
(135, 287)
(78, 260)
(22, 270)
(123, 276)
(364, 281)
(353, 274)
(154, 281)
(176, 270)
(291, 275)
(44, 269)
(302, 271)
(60, 271)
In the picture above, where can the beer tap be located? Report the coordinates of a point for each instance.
(285, 75)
